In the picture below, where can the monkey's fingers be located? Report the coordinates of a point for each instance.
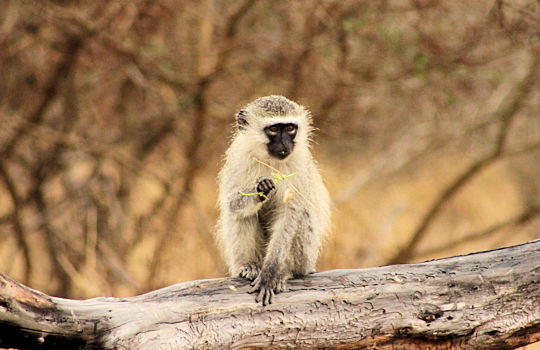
(260, 296)
(282, 287)
(249, 272)
(265, 185)
(265, 295)
(255, 285)
(268, 295)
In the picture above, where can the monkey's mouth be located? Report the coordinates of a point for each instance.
(279, 152)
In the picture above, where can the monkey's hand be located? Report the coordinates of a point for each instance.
(250, 271)
(267, 285)
(265, 185)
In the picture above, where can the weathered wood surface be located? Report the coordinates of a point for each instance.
(488, 300)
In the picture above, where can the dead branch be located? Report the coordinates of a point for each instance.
(505, 113)
(519, 219)
(194, 146)
(17, 222)
(50, 90)
(64, 17)
(314, 26)
(488, 300)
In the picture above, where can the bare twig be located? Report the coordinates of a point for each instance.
(116, 265)
(17, 222)
(415, 143)
(314, 25)
(60, 72)
(100, 150)
(53, 245)
(193, 149)
(62, 16)
(341, 63)
(62, 69)
(285, 177)
(519, 219)
(505, 113)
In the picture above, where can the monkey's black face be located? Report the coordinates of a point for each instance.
(281, 138)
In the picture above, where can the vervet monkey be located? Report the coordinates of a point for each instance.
(271, 228)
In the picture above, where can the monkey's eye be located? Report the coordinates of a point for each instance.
(273, 130)
(291, 129)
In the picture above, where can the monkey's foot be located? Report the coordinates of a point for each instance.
(249, 271)
(267, 288)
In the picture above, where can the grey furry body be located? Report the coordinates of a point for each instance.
(269, 241)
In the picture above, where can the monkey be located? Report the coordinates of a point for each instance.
(271, 230)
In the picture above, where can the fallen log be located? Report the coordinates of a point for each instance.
(487, 300)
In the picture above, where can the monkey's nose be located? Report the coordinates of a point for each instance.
(284, 153)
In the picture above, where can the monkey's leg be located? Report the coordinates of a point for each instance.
(245, 247)
(305, 246)
(276, 264)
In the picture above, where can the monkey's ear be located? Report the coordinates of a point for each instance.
(241, 120)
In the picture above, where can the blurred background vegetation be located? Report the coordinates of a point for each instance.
(114, 116)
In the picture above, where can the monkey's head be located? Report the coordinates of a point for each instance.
(276, 123)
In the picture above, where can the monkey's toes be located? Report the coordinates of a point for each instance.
(281, 287)
(249, 272)
(265, 293)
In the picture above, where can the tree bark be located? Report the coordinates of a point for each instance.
(487, 300)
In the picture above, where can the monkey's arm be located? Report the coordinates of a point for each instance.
(249, 201)
(274, 273)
